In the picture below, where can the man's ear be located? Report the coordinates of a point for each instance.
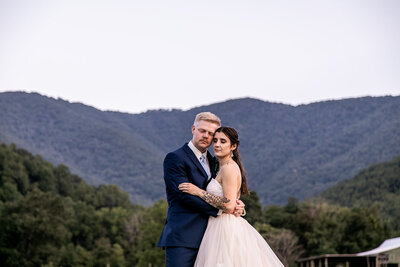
(193, 128)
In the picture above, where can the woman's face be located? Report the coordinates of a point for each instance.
(222, 145)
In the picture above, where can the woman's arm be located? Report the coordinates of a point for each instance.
(227, 203)
(213, 200)
(175, 174)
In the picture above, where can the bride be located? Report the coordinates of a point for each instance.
(229, 240)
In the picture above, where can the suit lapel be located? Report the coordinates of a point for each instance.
(213, 168)
(193, 158)
(213, 164)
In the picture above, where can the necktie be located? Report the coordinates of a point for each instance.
(205, 165)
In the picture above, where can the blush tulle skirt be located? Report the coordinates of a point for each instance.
(231, 241)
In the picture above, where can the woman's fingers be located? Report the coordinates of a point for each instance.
(183, 186)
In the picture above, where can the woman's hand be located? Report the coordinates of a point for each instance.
(239, 208)
(190, 189)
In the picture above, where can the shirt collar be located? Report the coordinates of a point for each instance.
(196, 151)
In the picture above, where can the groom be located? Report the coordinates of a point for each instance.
(187, 215)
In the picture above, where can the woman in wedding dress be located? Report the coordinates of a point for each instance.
(229, 241)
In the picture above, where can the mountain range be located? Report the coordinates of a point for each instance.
(288, 151)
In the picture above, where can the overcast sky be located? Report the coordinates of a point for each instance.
(133, 56)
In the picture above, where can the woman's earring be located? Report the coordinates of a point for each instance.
(232, 154)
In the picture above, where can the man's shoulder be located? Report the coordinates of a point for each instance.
(180, 152)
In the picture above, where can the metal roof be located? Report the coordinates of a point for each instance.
(387, 245)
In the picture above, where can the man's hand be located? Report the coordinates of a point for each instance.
(239, 208)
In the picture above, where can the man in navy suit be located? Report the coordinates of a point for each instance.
(187, 215)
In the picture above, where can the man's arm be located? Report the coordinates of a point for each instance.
(174, 174)
(230, 185)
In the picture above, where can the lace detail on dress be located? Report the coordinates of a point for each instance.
(215, 188)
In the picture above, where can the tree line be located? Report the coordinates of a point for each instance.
(377, 186)
(50, 217)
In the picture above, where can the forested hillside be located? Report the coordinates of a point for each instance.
(50, 217)
(91, 142)
(288, 151)
(377, 186)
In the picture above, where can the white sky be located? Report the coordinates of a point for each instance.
(132, 56)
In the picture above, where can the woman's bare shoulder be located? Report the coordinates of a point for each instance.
(230, 170)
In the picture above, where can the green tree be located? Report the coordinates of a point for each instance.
(14, 180)
(75, 256)
(363, 230)
(253, 207)
(112, 196)
(34, 229)
(150, 230)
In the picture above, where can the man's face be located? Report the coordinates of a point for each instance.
(203, 132)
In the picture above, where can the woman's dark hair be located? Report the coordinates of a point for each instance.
(233, 136)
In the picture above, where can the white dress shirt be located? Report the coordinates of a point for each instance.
(199, 154)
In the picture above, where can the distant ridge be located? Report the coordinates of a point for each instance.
(288, 151)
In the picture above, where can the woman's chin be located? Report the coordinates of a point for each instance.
(219, 155)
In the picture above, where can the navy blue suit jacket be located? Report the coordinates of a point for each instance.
(187, 215)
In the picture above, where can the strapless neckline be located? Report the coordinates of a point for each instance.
(215, 188)
(215, 181)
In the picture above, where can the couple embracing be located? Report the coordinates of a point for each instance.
(204, 226)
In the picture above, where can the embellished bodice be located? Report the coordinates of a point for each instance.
(215, 188)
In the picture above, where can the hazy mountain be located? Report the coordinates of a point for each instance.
(288, 151)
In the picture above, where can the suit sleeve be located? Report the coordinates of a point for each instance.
(174, 174)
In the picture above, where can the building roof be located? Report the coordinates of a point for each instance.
(387, 245)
